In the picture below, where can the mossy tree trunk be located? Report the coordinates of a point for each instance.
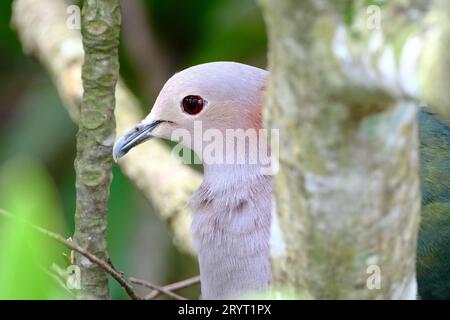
(344, 93)
(100, 31)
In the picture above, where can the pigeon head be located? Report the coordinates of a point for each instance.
(217, 95)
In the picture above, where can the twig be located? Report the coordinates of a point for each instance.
(104, 265)
(155, 287)
(93, 161)
(174, 287)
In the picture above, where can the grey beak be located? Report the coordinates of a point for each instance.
(134, 137)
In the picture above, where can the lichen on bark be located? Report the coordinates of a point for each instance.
(101, 21)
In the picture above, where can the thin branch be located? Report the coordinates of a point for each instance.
(101, 21)
(174, 287)
(118, 276)
(155, 287)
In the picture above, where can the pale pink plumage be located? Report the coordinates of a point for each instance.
(232, 208)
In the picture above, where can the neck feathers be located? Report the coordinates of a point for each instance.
(231, 230)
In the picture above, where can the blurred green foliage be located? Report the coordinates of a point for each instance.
(37, 149)
(27, 190)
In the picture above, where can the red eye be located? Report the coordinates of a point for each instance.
(192, 104)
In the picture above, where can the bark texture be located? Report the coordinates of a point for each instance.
(344, 96)
(100, 29)
(168, 185)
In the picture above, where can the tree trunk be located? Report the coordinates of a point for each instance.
(100, 30)
(343, 91)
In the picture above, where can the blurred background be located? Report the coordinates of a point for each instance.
(37, 141)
